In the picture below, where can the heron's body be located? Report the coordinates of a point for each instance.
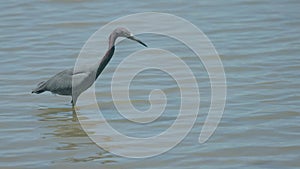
(72, 82)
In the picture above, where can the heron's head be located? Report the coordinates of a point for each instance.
(123, 32)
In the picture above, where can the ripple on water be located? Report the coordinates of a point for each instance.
(258, 43)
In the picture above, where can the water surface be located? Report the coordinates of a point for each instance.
(258, 42)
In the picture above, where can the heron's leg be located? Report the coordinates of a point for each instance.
(73, 101)
(74, 116)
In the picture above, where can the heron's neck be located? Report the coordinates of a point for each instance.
(105, 60)
(112, 40)
(108, 55)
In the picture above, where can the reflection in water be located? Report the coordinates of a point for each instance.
(62, 126)
(57, 114)
(104, 158)
(259, 47)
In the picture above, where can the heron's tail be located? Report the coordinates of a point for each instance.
(40, 88)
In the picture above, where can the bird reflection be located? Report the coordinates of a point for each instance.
(65, 131)
(58, 114)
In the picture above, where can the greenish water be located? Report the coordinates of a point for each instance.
(259, 44)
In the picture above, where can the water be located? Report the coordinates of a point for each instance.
(259, 45)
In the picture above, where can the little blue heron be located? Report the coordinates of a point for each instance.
(61, 83)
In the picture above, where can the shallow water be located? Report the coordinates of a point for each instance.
(258, 42)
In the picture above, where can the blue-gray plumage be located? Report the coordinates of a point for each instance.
(83, 78)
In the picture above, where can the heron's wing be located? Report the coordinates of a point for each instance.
(61, 83)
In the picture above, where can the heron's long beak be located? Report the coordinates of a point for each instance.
(133, 38)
